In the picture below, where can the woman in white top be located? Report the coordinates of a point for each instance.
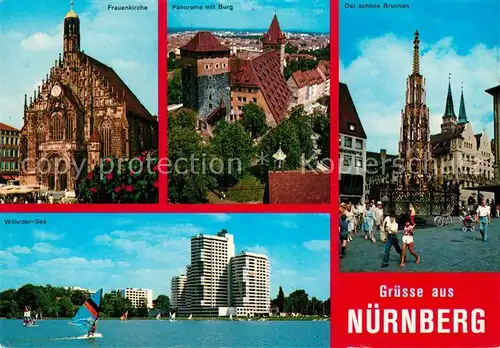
(349, 213)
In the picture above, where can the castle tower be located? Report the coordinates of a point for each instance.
(71, 37)
(275, 40)
(205, 77)
(449, 117)
(414, 145)
(462, 116)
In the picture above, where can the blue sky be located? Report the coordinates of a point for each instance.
(460, 37)
(145, 250)
(293, 15)
(31, 39)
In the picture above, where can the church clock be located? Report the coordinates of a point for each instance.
(56, 91)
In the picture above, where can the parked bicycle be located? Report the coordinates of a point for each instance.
(442, 220)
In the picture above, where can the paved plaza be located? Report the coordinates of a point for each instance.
(441, 249)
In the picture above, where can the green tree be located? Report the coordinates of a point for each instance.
(142, 311)
(189, 179)
(65, 307)
(304, 129)
(285, 134)
(321, 126)
(232, 145)
(290, 49)
(254, 120)
(162, 302)
(173, 62)
(299, 301)
(175, 87)
(78, 297)
(9, 309)
(280, 300)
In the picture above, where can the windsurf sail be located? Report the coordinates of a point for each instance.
(88, 313)
(230, 317)
(158, 317)
(190, 317)
(124, 316)
(172, 316)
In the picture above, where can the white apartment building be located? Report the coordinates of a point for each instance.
(250, 284)
(208, 275)
(177, 289)
(78, 288)
(352, 149)
(310, 85)
(138, 296)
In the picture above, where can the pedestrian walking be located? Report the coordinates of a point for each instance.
(483, 218)
(369, 222)
(392, 240)
(379, 219)
(343, 233)
(408, 243)
(412, 214)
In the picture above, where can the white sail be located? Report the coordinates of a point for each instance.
(158, 316)
(190, 317)
(230, 317)
(27, 314)
(36, 316)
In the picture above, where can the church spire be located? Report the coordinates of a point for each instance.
(462, 116)
(71, 32)
(416, 54)
(449, 110)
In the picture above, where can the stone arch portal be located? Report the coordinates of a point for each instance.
(54, 172)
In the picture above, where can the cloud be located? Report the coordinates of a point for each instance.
(18, 249)
(377, 82)
(317, 245)
(288, 224)
(258, 249)
(104, 239)
(41, 42)
(44, 235)
(221, 217)
(74, 263)
(47, 248)
(8, 258)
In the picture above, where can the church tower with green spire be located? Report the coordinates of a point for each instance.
(449, 117)
(462, 116)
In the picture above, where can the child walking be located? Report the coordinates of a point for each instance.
(343, 231)
(408, 243)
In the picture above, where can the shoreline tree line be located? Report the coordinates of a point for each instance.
(57, 302)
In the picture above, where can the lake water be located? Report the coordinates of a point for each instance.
(154, 333)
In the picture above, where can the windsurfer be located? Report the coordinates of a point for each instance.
(92, 329)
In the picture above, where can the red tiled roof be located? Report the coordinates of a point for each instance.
(348, 115)
(133, 104)
(204, 41)
(274, 34)
(6, 127)
(264, 72)
(324, 67)
(297, 187)
(307, 78)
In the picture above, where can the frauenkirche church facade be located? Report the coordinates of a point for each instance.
(81, 113)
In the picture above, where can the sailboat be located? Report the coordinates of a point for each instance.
(28, 321)
(172, 317)
(158, 317)
(86, 317)
(124, 317)
(190, 317)
(230, 317)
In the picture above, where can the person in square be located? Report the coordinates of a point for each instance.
(408, 243)
(379, 220)
(392, 240)
(343, 233)
(483, 218)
